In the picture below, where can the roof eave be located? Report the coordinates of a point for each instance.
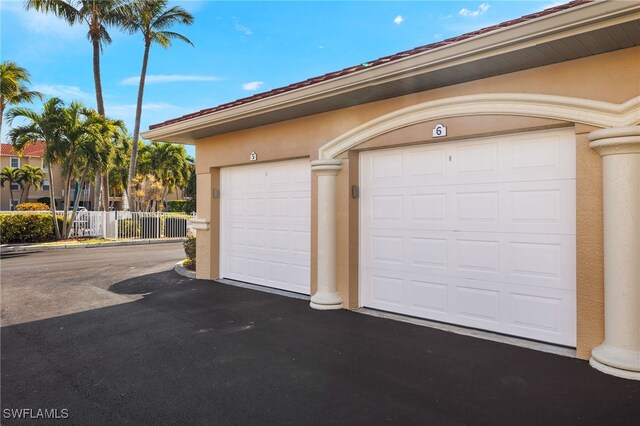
(583, 18)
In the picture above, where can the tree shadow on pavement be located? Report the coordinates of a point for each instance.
(149, 283)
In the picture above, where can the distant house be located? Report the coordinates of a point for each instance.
(490, 180)
(33, 156)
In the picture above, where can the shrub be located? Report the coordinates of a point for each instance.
(177, 206)
(190, 251)
(190, 205)
(32, 207)
(27, 228)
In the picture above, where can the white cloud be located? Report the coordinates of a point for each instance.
(254, 85)
(437, 36)
(163, 78)
(244, 30)
(67, 93)
(482, 9)
(398, 19)
(42, 23)
(443, 17)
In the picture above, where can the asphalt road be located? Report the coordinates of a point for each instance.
(44, 284)
(113, 336)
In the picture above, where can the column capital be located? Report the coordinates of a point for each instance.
(327, 165)
(616, 140)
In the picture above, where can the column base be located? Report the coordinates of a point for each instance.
(617, 362)
(326, 301)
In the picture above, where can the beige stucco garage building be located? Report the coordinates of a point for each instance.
(490, 181)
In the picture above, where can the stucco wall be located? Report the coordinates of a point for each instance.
(611, 77)
(34, 194)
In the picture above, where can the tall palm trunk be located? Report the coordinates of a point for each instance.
(105, 191)
(25, 192)
(136, 128)
(96, 76)
(66, 201)
(11, 193)
(52, 200)
(101, 192)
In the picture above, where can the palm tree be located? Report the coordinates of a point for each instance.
(113, 134)
(97, 15)
(13, 81)
(119, 170)
(153, 20)
(86, 147)
(11, 176)
(167, 163)
(30, 176)
(44, 126)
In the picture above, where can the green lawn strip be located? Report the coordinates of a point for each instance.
(74, 242)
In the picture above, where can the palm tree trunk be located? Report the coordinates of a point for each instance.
(65, 204)
(25, 193)
(97, 80)
(136, 127)
(52, 201)
(165, 190)
(76, 203)
(97, 185)
(105, 191)
(96, 76)
(11, 194)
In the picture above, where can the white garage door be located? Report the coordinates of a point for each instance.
(265, 224)
(478, 233)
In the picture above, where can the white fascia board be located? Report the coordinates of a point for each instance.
(584, 18)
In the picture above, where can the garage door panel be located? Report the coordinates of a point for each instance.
(527, 157)
(474, 161)
(387, 290)
(301, 207)
(429, 296)
(525, 207)
(426, 165)
(265, 224)
(487, 242)
(478, 305)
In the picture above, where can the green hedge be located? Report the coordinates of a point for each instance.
(34, 207)
(177, 206)
(27, 228)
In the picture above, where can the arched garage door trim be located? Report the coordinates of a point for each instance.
(577, 110)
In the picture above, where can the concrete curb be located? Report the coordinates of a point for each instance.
(28, 247)
(181, 270)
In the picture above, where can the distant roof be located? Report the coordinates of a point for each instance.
(35, 149)
(374, 63)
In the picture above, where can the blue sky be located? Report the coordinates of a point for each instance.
(241, 48)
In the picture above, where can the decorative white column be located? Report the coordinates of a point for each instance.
(327, 296)
(619, 355)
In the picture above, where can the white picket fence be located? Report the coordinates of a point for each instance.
(124, 225)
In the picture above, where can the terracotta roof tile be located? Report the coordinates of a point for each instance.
(33, 150)
(376, 62)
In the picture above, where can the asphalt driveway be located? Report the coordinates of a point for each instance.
(124, 340)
